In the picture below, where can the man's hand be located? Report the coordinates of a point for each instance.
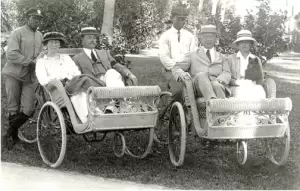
(185, 76)
(33, 62)
(133, 79)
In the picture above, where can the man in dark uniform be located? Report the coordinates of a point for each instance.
(24, 45)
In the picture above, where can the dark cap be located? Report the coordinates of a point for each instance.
(54, 36)
(180, 10)
(34, 12)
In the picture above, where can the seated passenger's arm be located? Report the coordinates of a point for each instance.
(117, 66)
(225, 75)
(41, 73)
(72, 68)
(164, 53)
(181, 67)
(125, 72)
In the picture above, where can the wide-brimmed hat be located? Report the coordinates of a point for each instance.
(89, 31)
(34, 12)
(208, 29)
(180, 10)
(54, 36)
(243, 35)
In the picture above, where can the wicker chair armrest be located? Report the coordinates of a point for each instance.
(121, 92)
(235, 105)
(189, 91)
(55, 85)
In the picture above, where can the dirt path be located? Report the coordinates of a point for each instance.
(21, 177)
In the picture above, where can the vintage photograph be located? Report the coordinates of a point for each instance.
(150, 95)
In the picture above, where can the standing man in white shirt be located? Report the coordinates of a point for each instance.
(174, 44)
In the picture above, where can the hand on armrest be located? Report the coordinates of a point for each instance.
(132, 78)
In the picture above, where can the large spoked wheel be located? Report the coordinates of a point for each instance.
(137, 145)
(163, 104)
(241, 152)
(177, 134)
(27, 131)
(278, 148)
(51, 134)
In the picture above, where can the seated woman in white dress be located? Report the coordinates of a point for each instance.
(53, 65)
(246, 69)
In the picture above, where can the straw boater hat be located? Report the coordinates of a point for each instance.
(54, 36)
(89, 31)
(208, 29)
(34, 12)
(243, 35)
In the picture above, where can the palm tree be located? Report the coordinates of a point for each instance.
(108, 19)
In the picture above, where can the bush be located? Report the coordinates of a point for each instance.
(134, 23)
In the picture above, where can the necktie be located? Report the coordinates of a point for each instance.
(178, 33)
(208, 55)
(93, 57)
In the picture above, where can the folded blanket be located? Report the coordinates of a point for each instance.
(81, 83)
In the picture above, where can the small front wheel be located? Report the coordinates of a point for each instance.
(241, 152)
(177, 134)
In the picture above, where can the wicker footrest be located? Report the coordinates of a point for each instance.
(229, 105)
(121, 92)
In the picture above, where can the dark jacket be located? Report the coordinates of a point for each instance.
(99, 68)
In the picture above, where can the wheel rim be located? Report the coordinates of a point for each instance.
(177, 135)
(119, 144)
(242, 152)
(51, 134)
(161, 129)
(138, 147)
(278, 148)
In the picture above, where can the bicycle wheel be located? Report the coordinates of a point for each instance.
(51, 134)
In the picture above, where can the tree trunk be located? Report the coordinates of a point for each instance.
(108, 19)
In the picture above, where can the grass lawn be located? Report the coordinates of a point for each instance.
(203, 169)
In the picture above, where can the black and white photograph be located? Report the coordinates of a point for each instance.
(150, 95)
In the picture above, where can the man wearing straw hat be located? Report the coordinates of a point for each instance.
(207, 68)
(24, 45)
(99, 63)
(174, 44)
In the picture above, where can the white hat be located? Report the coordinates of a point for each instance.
(89, 31)
(208, 29)
(243, 35)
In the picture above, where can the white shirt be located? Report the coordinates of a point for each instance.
(172, 51)
(244, 62)
(48, 69)
(212, 52)
(89, 52)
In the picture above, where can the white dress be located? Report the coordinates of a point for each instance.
(60, 68)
